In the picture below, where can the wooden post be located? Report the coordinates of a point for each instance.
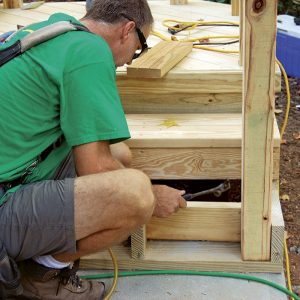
(138, 243)
(258, 121)
(174, 2)
(242, 13)
(12, 3)
(235, 7)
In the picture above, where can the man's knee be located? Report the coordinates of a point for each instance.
(141, 196)
(127, 201)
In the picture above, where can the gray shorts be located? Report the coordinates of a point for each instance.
(38, 218)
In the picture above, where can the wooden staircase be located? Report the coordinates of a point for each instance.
(205, 235)
(188, 125)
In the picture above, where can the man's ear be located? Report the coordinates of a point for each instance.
(126, 30)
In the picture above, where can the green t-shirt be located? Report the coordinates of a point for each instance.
(63, 86)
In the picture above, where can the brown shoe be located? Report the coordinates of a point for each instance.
(42, 283)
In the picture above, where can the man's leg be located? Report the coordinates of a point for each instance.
(108, 207)
(119, 151)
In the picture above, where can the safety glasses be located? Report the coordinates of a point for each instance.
(142, 39)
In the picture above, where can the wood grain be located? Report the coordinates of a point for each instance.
(187, 131)
(258, 127)
(159, 60)
(211, 221)
(12, 3)
(174, 2)
(277, 242)
(184, 255)
(242, 13)
(235, 7)
(193, 163)
(151, 103)
(138, 243)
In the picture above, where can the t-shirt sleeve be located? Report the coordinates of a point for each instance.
(91, 109)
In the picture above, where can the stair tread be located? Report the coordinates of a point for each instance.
(187, 130)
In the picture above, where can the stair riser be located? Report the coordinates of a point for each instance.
(193, 163)
(182, 103)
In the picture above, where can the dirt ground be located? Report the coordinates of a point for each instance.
(290, 175)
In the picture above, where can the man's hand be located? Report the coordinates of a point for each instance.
(168, 200)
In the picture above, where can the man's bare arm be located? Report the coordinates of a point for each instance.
(94, 158)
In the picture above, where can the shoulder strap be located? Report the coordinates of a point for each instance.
(37, 37)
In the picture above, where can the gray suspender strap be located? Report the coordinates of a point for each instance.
(37, 37)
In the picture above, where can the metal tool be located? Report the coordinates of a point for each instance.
(216, 191)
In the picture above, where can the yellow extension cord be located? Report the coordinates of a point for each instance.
(161, 36)
(116, 271)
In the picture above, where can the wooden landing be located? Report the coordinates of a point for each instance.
(197, 255)
(207, 81)
(182, 255)
(190, 146)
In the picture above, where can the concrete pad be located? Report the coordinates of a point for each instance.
(178, 287)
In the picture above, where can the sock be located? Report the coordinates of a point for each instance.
(50, 262)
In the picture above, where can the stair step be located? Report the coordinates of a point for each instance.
(187, 130)
(185, 91)
(190, 146)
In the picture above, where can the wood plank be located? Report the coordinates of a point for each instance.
(150, 103)
(177, 83)
(241, 14)
(187, 131)
(184, 83)
(174, 2)
(211, 221)
(235, 7)
(12, 3)
(258, 126)
(159, 60)
(138, 243)
(277, 242)
(184, 255)
(193, 163)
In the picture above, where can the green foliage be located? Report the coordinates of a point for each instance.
(289, 7)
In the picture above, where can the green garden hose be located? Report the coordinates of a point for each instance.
(183, 272)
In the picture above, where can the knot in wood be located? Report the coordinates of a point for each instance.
(259, 5)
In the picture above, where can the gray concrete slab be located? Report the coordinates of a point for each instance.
(178, 287)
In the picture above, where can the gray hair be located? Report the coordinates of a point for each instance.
(113, 11)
